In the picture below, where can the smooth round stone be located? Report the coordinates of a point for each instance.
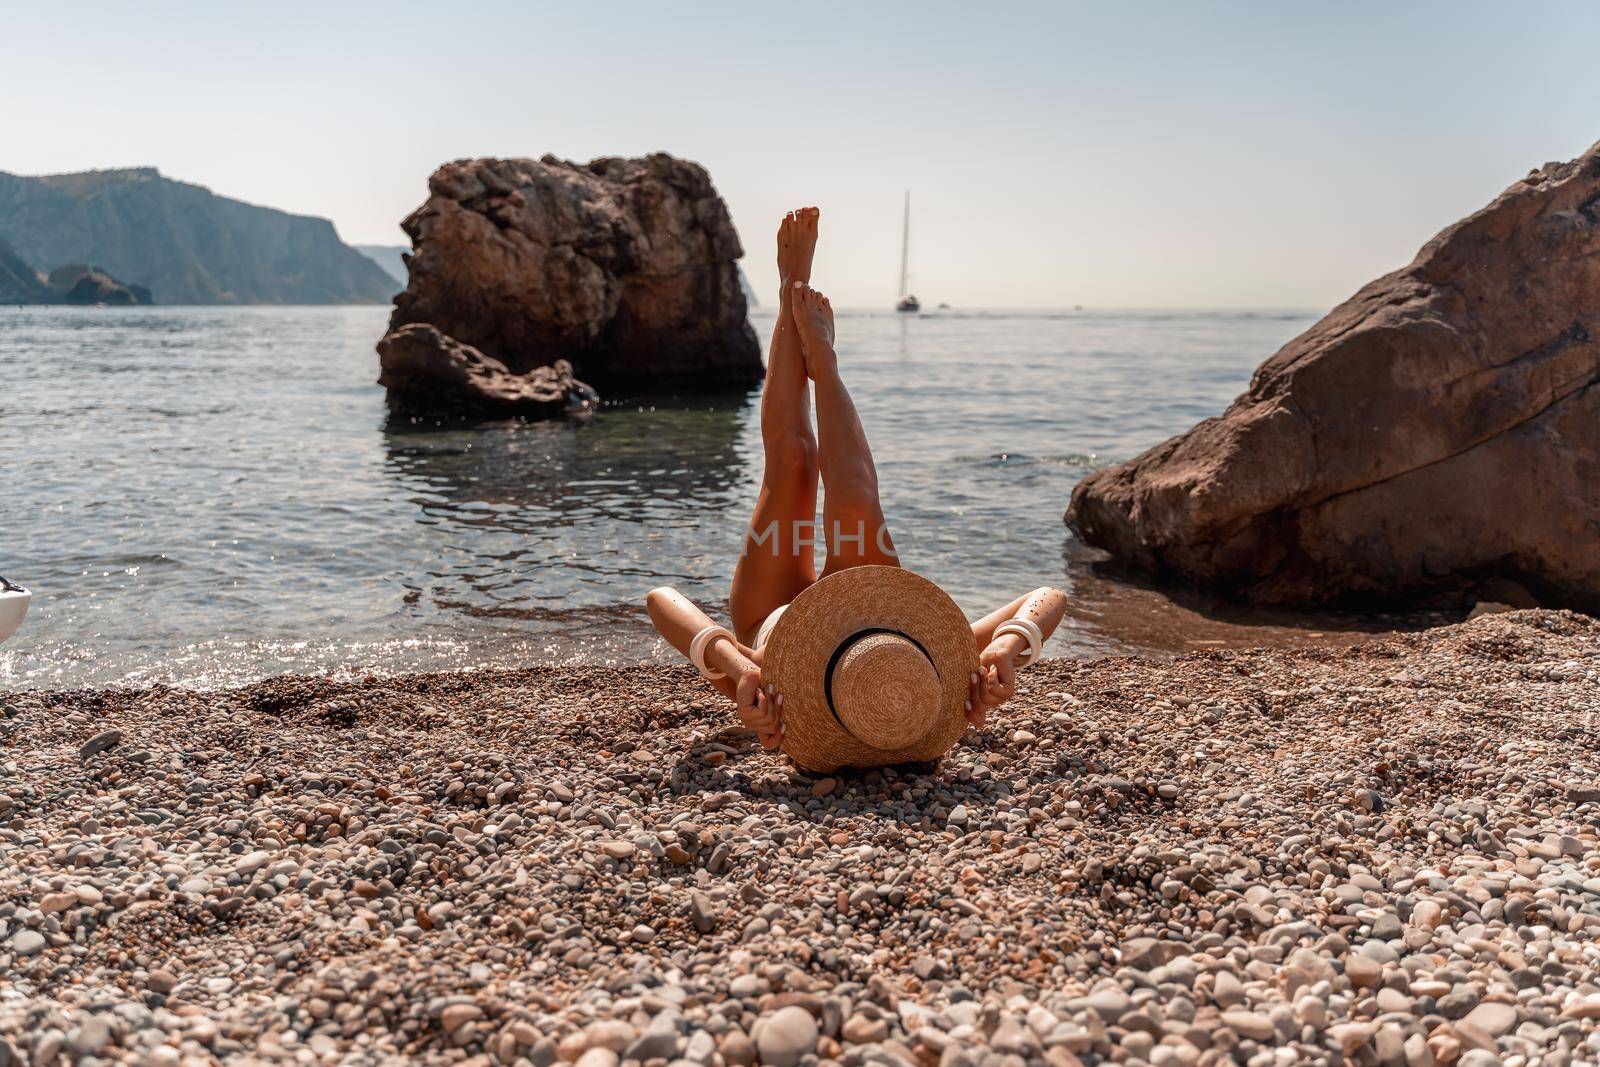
(1493, 1017)
(786, 1036)
(613, 1034)
(99, 743)
(27, 942)
(1249, 1024)
(860, 1030)
(1393, 1000)
(1109, 1004)
(1362, 971)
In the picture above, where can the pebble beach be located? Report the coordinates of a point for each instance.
(1382, 854)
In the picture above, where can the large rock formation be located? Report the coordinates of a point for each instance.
(626, 268)
(1438, 430)
(182, 242)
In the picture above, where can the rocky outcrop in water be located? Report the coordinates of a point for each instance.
(427, 373)
(182, 242)
(71, 284)
(77, 283)
(626, 268)
(1438, 430)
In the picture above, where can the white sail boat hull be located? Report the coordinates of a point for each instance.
(13, 606)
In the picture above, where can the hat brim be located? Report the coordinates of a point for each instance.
(827, 614)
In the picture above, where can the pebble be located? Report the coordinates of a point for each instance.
(1227, 990)
(54, 902)
(786, 1037)
(1493, 1017)
(1362, 971)
(861, 1030)
(702, 913)
(99, 743)
(455, 1016)
(737, 1049)
(1249, 1024)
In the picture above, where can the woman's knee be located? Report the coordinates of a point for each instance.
(791, 456)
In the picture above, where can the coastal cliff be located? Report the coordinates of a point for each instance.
(183, 242)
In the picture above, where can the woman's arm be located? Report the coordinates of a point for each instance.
(995, 682)
(678, 619)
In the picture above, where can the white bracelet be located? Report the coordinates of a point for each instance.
(697, 650)
(1029, 631)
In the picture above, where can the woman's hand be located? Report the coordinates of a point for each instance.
(760, 709)
(994, 683)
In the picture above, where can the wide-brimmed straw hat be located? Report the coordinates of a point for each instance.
(873, 664)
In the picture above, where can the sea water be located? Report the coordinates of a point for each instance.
(206, 496)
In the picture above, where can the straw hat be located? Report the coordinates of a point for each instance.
(873, 665)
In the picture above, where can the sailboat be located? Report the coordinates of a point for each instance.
(907, 302)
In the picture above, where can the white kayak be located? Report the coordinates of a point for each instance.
(13, 606)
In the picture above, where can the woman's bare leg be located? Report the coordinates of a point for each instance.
(778, 560)
(852, 517)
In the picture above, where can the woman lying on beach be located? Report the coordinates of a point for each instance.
(869, 664)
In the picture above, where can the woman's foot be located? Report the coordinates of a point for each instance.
(813, 319)
(797, 243)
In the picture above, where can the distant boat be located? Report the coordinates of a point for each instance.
(907, 302)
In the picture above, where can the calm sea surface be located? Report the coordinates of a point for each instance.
(207, 496)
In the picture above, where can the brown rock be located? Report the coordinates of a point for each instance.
(737, 1049)
(1439, 428)
(861, 1030)
(623, 267)
(1363, 971)
(455, 1016)
(1492, 1017)
(1144, 953)
(1249, 1024)
(428, 373)
(53, 902)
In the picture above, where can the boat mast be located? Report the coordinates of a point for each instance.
(905, 244)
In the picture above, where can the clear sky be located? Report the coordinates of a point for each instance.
(1135, 155)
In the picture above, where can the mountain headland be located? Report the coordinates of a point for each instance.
(182, 242)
